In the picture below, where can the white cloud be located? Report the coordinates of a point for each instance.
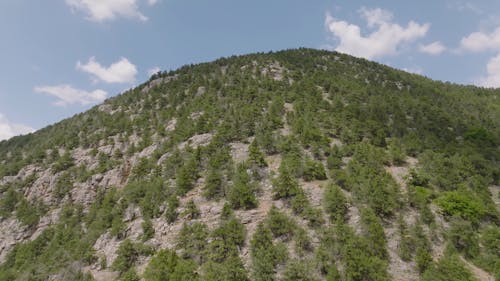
(481, 41)
(103, 10)
(434, 48)
(384, 40)
(152, 2)
(67, 95)
(465, 6)
(376, 16)
(153, 70)
(9, 129)
(493, 77)
(122, 71)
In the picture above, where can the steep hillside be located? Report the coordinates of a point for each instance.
(294, 165)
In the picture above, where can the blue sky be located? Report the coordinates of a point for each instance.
(60, 57)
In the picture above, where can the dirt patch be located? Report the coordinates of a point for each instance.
(495, 193)
(239, 151)
(480, 274)
(273, 162)
(398, 269)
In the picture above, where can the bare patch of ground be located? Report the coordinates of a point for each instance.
(480, 274)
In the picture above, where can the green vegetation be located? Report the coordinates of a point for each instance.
(127, 254)
(447, 268)
(167, 266)
(335, 202)
(242, 193)
(266, 255)
(342, 131)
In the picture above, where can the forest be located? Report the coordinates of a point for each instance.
(347, 170)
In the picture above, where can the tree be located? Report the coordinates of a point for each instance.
(314, 170)
(242, 192)
(265, 255)
(192, 240)
(449, 267)
(298, 270)
(126, 256)
(167, 266)
(280, 224)
(186, 176)
(255, 156)
(230, 269)
(191, 211)
(374, 233)
(335, 202)
(171, 212)
(463, 237)
(148, 230)
(63, 163)
(285, 186)
(213, 185)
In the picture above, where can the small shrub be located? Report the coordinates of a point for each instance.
(335, 202)
(148, 230)
(314, 170)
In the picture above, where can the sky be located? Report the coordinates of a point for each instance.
(61, 57)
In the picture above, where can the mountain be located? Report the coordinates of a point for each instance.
(293, 165)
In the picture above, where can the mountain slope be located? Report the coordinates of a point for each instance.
(295, 165)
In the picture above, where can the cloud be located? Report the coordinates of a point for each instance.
(104, 10)
(9, 129)
(153, 70)
(376, 16)
(481, 41)
(434, 48)
(121, 71)
(465, 6)
(384, 40)
(67, 95)
(152, 2)
(492, 79)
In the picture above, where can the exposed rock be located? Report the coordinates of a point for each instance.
(354, 218)
(106, 247)
(201, 90)
(171, 125)
(131, 213)
(157, 82)
(314, 190)
(51, 218)
(11, 233)
(197, 140)
(134, 230)
(102, 275)
(105, 108)
(148, 151)
(495, 195)
(81, 156)
(274, 70)
(196, 115)
(239, 151)
(42, 188)
(84, 193)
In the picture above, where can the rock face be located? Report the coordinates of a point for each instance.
(11, 233)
